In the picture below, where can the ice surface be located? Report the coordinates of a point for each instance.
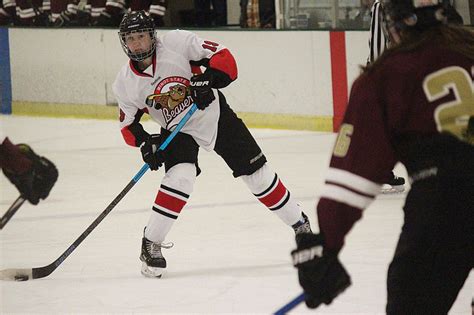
(231, 255)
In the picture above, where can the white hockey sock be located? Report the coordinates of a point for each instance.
(158, 227)
(171, 198)
(269, 189)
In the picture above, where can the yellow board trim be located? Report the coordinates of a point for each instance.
(287, 121)
(91, 111)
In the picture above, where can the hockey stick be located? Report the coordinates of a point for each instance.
(41, 272)
(290, 305)
(11, 211)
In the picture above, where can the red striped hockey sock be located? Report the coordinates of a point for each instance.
(168, 204)
(269, 189)
(174, 192)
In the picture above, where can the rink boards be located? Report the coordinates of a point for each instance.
(287, 79)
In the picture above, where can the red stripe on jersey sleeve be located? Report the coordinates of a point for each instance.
(128, 136)
(335, 221)
(169, 202)
(275, 196)
(225, 62)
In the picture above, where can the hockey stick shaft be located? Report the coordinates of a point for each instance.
(290, 305)
(11, 211)
(41, 272)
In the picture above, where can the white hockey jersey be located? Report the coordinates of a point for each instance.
(166, 82)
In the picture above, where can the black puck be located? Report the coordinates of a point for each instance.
(21, 277)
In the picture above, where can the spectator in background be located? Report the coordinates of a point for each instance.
(102, 13)
(24, 12)
(107, 13)
(156, 8)
(70, 13)
(205, 17)
(257, 14)
(7, 12)
(111, 12)
(66, 13)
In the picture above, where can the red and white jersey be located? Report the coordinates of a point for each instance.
(166, 82)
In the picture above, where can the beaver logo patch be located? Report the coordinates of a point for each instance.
(171, 96)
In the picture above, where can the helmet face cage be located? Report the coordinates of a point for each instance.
(137, 22)
(138, 56)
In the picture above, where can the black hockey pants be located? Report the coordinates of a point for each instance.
(435, 252)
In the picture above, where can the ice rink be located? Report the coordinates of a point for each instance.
(230, 254)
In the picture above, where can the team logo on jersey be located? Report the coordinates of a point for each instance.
(171, 96)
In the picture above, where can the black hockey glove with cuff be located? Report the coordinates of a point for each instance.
(150, 153)
(37, 182)
(201, 89)
(320, 273)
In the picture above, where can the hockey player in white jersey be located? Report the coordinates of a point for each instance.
(163, 79)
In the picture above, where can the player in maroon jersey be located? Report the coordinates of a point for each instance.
(67, 13)
(415, 104)
(24, 12)
(111, 12)
(8, 12)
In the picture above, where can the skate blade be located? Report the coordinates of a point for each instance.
(151, 272)
(387, 189)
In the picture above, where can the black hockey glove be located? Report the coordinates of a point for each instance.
(150, 153)
(37, 182)
(320, 273)
(201, 89)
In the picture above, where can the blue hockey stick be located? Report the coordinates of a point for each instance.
(23, 274)
(290, 305)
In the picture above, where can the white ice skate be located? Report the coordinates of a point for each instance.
(395, 186)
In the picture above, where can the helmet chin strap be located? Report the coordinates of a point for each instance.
(141, 56)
